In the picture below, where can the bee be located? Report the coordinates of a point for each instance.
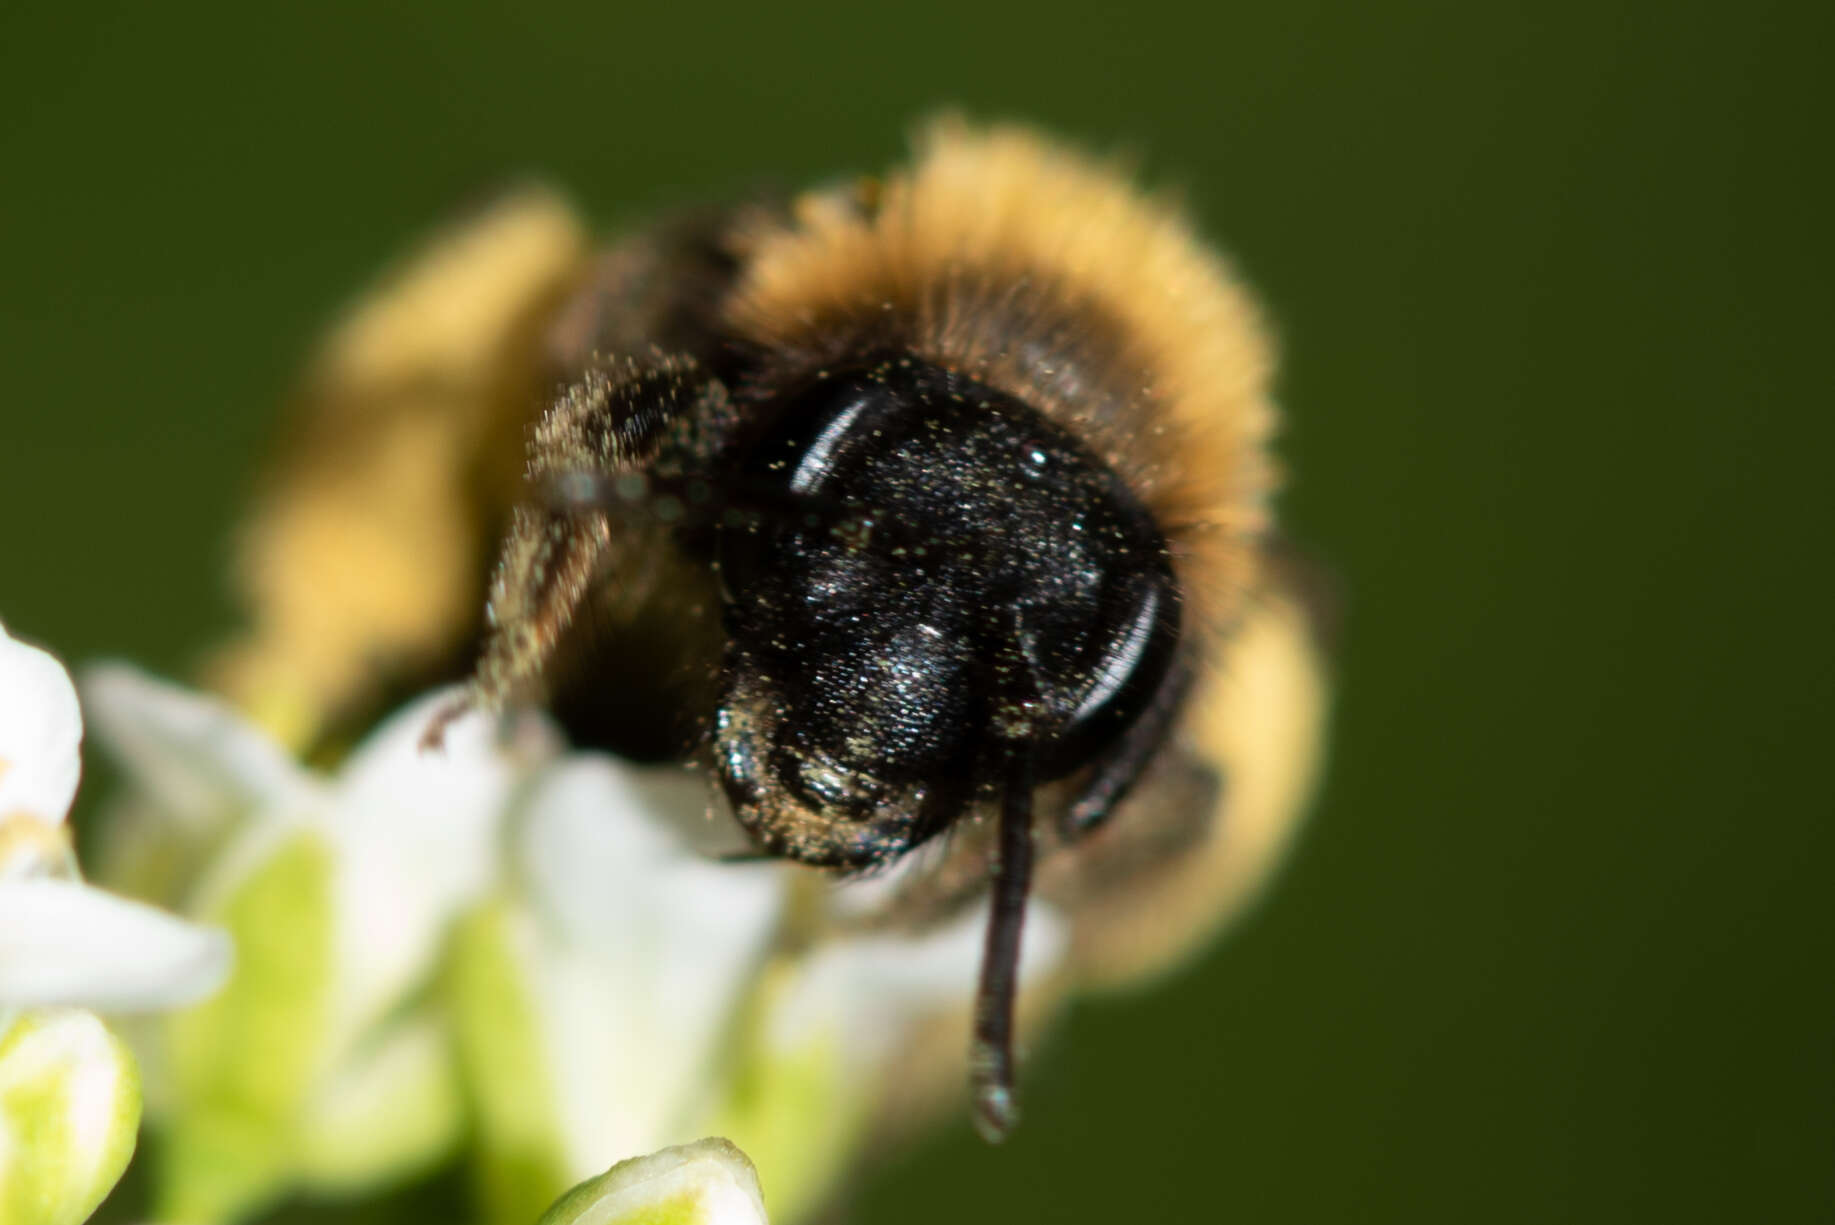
(926, 510)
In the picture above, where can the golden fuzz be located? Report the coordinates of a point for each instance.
(1073, 248)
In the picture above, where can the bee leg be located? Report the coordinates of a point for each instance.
(1121, 766)
(991, 1063)
(622, 418)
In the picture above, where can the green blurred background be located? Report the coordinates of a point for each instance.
(1558, 945)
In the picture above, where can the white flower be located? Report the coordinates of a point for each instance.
(63, 942)
(639, 948)
(628, 992)
(324, 1061)
(709, 1182)
(69, 1090)
(593, 995)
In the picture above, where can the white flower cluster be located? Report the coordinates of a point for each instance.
(499, 942)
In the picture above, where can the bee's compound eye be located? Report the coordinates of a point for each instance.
(1118, 671)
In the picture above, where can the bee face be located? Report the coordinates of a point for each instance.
(968, 575)
(935, 505)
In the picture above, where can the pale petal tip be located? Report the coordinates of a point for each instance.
(63, 942)
(41, 729)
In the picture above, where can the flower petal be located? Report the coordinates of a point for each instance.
(603, 856)
(194, 755)
(649, 949)
(69, 1110)
(390, 1111)
(709, 1182)
(64, 942)
(415, 836)
(872, 988)
(846, 1029)
(40, 729)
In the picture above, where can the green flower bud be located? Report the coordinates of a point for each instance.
(69, 1110)
(709, 1182)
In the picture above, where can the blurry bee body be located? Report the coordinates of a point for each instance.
(932, 505)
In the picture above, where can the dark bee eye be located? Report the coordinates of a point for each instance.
(982, 515)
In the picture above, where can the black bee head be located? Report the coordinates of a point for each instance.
(950, 537)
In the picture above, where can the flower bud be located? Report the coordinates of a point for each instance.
(709, 1182)
(69, 1110)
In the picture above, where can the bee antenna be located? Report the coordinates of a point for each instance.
(991, 1063)
(991, 1058)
